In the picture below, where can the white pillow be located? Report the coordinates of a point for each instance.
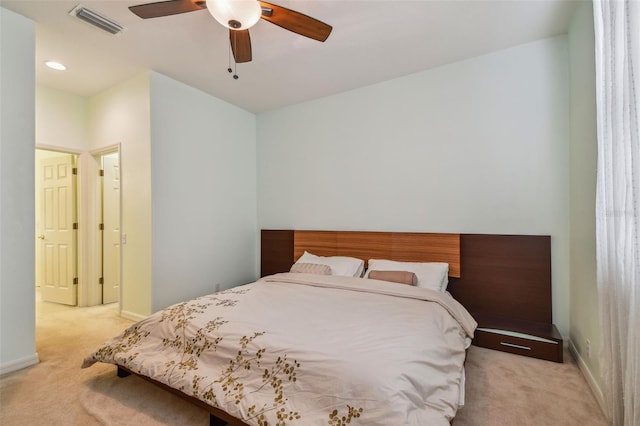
(432, 275)
(340, 265)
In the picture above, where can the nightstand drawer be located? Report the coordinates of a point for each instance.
(519, 343)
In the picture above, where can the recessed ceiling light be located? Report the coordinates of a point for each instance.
(55, 65)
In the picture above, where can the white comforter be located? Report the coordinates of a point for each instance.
(305, 349)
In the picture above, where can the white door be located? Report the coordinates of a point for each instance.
(58, 236)
(111, 232)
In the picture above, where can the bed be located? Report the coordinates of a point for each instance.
(305, 347)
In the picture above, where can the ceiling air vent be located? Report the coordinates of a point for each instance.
(96, 19)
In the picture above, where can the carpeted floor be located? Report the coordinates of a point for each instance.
(502, 389)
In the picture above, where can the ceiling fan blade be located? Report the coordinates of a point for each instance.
(240, 45)
(295, 21)
(166, 8)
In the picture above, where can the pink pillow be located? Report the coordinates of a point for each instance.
(402, 277)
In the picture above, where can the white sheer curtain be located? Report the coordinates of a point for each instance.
(617, 41)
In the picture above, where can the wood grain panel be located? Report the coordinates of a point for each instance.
(415, 247)
(365, 245)
(320, 243)
(276, 251)
(400, 246)
(506, 276)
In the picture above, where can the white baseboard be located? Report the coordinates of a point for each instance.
(132, 316)
(19, 364)
(591, 381)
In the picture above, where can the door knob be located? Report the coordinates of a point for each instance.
(41, 236)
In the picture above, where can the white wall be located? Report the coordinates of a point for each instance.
(61, 119)
(480, 146)
(121, 115)
(584, 291)
(17, 211)
(203, 169)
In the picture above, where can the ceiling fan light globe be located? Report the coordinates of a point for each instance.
(231, 12)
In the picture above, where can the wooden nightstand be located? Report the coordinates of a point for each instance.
(534, 339)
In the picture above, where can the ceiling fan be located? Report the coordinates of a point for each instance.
(239, 16)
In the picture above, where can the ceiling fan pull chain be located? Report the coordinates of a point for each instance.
(235, 76)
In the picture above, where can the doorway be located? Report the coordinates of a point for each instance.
(78, 211)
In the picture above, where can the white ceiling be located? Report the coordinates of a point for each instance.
(372, 41)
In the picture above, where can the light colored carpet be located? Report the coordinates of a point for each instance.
(507, 389)
(502, 389)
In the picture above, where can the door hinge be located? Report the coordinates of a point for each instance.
(74, 171)
(75, 225)
(101, 172)
(101, 280)
(101, 226)
(75, 280)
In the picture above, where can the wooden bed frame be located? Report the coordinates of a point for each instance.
(504, 281)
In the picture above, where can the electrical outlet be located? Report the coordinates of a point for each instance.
(588, 349)
(216, 287)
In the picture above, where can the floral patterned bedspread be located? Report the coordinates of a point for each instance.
(300, 349)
